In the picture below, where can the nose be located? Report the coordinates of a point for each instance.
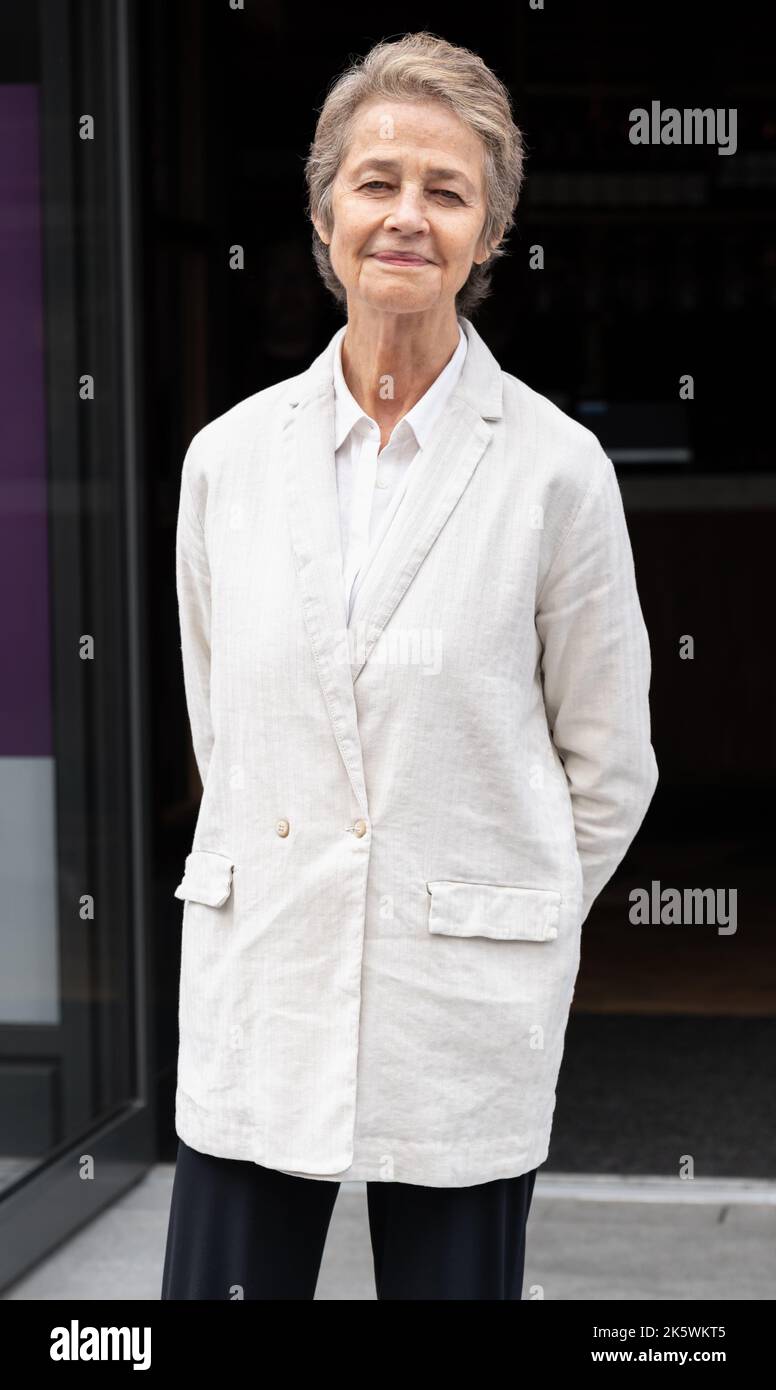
(407, 213)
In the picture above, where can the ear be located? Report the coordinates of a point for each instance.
(483, 253)
(320, 229)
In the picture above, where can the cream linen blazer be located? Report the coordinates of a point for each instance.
(405, 818)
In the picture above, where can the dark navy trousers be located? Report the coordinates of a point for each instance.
(237, 1230)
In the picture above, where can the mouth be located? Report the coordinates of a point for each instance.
(400, 258)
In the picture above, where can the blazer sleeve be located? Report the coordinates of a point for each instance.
(193, 588)
(596, 670)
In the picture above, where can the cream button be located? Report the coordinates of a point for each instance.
(382, 482)
(359, 828)
(282, 827)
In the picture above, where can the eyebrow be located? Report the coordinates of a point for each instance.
(391, 165)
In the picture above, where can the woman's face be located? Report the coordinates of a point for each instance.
(412, 183)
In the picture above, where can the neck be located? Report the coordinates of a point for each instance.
(390, 360)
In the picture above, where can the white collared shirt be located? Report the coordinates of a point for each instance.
(370, 483)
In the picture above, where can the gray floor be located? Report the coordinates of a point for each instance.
(601, 1239)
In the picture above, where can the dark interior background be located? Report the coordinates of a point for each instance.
(660, 261)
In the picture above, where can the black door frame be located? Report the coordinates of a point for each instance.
(98, 1060)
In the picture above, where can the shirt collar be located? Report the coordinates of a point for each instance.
(424, 413)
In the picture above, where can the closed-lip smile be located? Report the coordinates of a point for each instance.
(401, 257)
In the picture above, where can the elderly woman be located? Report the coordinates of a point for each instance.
(417, 677)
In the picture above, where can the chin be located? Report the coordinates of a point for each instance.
(394, 295)
(396, 299)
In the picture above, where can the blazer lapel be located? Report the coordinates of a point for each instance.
(312, 509)
(437, 480)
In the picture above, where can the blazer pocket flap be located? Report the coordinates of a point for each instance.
(207, 878)
(501, 911)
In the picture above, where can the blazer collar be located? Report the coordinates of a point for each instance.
(342, 647)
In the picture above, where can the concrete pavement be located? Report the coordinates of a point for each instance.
(588, 1238)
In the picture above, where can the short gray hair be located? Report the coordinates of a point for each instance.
(421, 67)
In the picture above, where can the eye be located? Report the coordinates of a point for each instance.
(442, 192)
